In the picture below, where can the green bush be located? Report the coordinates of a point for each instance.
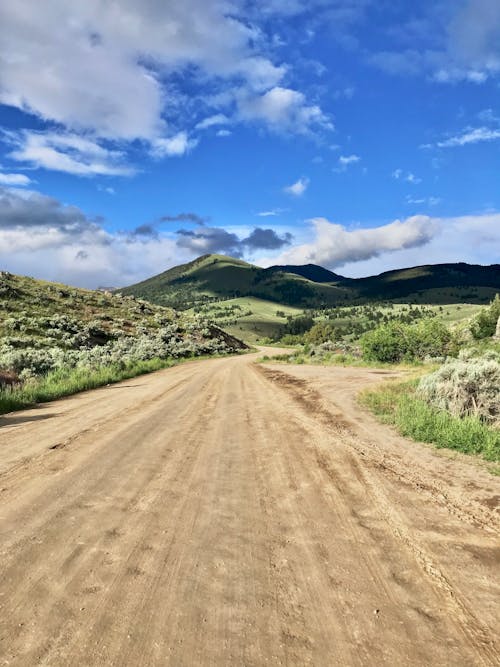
(394, 342)
(321, 332)
(485, 324)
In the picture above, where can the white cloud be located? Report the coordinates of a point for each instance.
(334, 245)
(210, 121)
(346, 161)
(453, 42)
(41, 236)
(470, 136)
(14, 179)
(70, 153)
(272, 212)
(472, 238)
(223, 133)
(298, 188)
(429, 201)
(99, 66)
(175, 146)
(283, 110)
(409, 177)
(109, 72)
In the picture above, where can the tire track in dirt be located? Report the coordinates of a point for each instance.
(213, 514)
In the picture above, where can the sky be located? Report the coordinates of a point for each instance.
(362, 135)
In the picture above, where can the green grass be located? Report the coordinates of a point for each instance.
(58, 384)
(397, 404)
(263, 322)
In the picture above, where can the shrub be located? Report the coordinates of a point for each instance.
(394, 341)
(466, 386)
(321, 332)
(485, 324)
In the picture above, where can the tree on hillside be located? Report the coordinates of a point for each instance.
(485, 324)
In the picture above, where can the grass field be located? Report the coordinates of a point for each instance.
(248, 318)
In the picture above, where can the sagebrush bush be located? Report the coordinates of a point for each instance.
(466, 386)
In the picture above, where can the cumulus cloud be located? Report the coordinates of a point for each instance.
(109, 74)
(216, 239)
(40, 236)
(175, 146)
(283, 110)
(298, 188)
(208, 240)
(471, 238)
(102, 69)
(334, 245)
(266, 239)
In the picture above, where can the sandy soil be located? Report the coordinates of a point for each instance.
(228, 513)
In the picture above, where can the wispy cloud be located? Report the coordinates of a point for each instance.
(428, 201)
(346, 161)
(15, 180)
(408, 177)
(66, 152)
(271, 213)
(470, 136)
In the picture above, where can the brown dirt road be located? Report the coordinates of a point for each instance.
(226, 513)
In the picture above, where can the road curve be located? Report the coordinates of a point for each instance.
(227, 513)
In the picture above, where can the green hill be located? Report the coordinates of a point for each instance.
(38, 315)
(217, 277)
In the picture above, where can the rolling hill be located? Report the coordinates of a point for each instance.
(39, 315)
(216, 277)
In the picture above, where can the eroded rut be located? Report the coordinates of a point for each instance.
(227, 513)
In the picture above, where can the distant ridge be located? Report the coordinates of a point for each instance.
(212, 277)
(313, 272)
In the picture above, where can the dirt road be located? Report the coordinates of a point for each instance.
(226, 513)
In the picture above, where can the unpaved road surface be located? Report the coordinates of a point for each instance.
(228, 513)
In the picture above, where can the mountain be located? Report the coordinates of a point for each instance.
(218, 276)
(313, 272)
(212, 277)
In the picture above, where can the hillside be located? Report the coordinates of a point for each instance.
(38, 315)
(215, 277)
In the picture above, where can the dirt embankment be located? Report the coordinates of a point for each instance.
(223, 513)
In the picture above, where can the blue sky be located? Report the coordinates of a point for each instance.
(358, 134)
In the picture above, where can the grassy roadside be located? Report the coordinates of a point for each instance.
(335, 359)
(397, 404)
(66, 382)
